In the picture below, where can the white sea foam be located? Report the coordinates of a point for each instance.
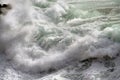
(34, 41)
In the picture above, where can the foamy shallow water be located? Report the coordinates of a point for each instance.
(80, 29)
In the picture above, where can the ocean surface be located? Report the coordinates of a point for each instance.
(60, 40)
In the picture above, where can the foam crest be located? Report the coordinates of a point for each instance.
(38, 39)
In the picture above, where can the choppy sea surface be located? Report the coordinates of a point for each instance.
(60, 40)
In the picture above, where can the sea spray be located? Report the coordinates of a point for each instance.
(28, 31)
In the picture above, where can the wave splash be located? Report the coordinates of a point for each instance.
(42, 35)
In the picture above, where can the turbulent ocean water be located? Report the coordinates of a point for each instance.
(60, 40)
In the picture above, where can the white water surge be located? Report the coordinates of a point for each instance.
(42, 35)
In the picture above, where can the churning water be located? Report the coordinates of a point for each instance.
(42, 35)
